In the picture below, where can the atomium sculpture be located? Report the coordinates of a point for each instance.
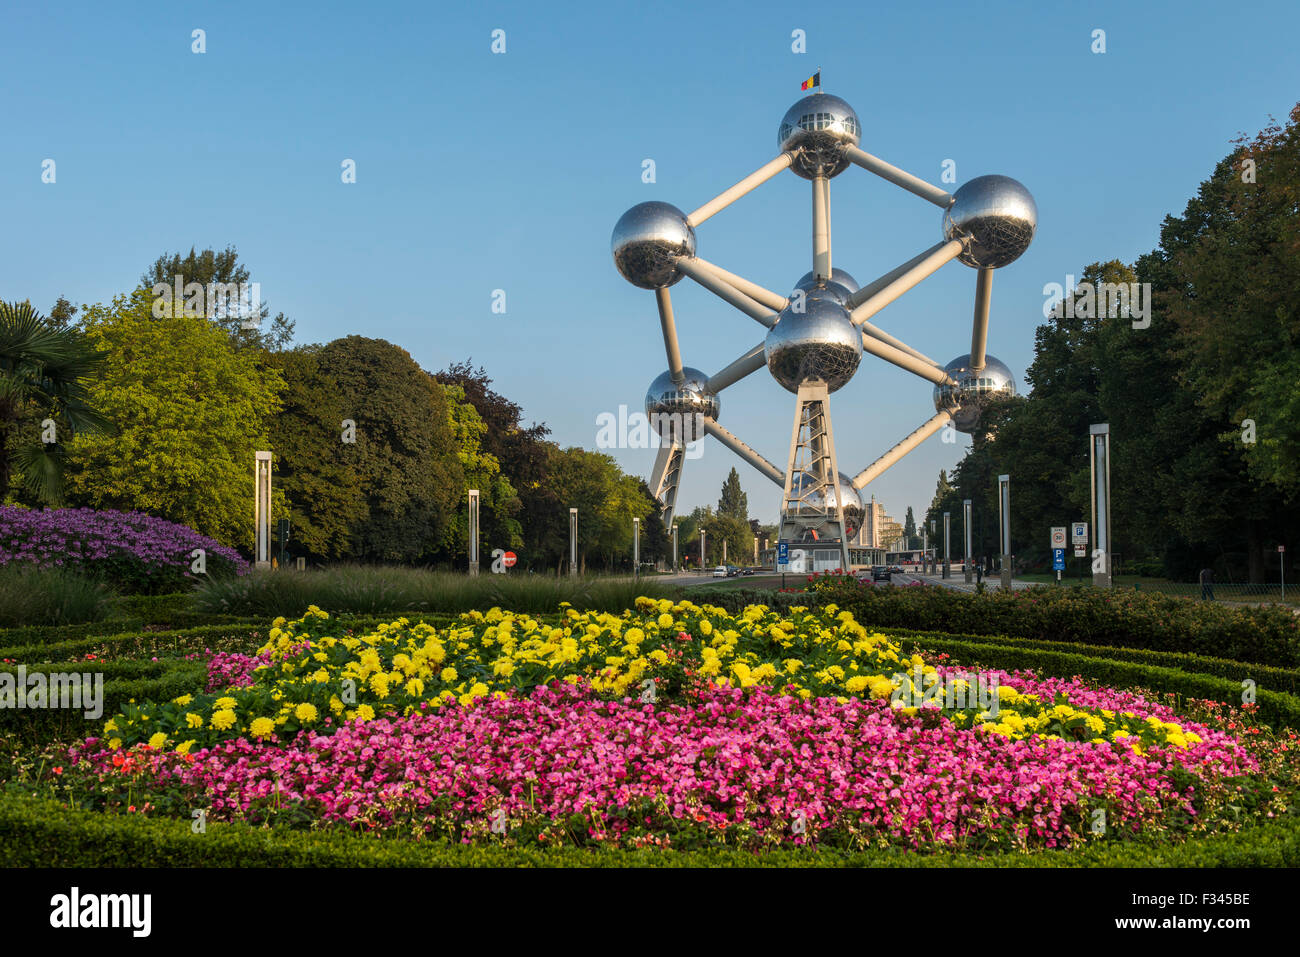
(817, 335)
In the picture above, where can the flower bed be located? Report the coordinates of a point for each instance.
(674, 724)
(134, 552)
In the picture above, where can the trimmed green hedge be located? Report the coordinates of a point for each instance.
(44, 833)
(1275, 679)
(167, 680)
(1110, 617)
(41, 634)
(181, 640)
(1275, 707)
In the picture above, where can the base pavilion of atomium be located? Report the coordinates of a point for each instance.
(816, 336)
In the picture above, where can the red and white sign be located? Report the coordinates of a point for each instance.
(509, 559)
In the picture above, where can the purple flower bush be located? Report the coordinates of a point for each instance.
(134, 552)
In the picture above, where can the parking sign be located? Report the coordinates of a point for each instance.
(1058, 559)
(1079, 533)
(783, 553)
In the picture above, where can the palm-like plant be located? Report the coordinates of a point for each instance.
(43, 373)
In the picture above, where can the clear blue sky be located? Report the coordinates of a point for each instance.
(479, 172)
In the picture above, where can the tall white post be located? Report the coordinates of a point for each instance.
(1099, 447)
(675, 568)
(262, 510)
(947, 544)
(701, 549)
(473, 531)
(1004, 521)
(573, 541)
(966, 523)
(636, 548)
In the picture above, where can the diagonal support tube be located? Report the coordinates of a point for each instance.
(925, 369)
(927, 266)
(751, 361)
(883, 336)
(744, 451)
(979, 337)
(877, 468)
(726, 291)
(665, 303)
(753, 290)
(746, 185)
(913, 184)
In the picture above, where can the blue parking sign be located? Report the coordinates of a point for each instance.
(1058, 559)
(783, 553)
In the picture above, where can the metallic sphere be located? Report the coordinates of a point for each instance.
(819, 127)
(838, 275)
(647, 239)
(967, 400)
(671, 407)
(824, 500)
(998, 215)
(820, 343)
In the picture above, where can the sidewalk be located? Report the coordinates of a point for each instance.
(958, 582)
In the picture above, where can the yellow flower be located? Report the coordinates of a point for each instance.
(665, 621)
(223, 719)
(183, 700)
(305, 712)
(365, 712)
(449, 675)
(224, 703)
(114, 744)
(193, 720)
(110, 725)
(184, 747)
(157, 740)
(262, 727)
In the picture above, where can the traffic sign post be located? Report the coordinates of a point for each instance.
(782, 558)
(1281, 550)
(1058, 550)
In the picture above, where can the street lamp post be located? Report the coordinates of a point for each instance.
(966, 525)
(947, 543)
(573, 541)
(473, 531)
(1004, 516)
(1099, 455)
(636, 548)
(262, 509)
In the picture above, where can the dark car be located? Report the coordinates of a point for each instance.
(732, 571)
(881, 573)
(747, 571)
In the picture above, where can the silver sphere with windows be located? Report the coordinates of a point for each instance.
(824, 501)
(647, 240)
(997, 214)
(818, 128)
(839, 287)
(967, 399)
(671, 408)
(820, 343)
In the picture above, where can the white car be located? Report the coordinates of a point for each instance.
(720, 571)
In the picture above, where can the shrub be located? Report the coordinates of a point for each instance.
(376, 590)
(133, 552)
(53, 596)
(1114, 618)
(46, 833)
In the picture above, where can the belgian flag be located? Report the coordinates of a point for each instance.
(812, 81)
